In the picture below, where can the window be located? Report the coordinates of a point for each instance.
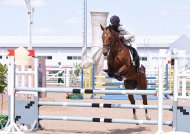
(78, 57)
(73, 57)
(1, 57)
(49, 57)
(143, 58)
(69, 57)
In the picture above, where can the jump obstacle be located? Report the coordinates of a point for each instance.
(31, 106)
(119, 85)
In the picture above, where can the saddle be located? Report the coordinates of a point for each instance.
(133, 53)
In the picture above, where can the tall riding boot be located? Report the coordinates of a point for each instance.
(137, 64)
(136, 59)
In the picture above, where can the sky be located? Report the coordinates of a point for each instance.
(65, 17)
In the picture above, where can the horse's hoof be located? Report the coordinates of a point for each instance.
(119, 79)
(68, 95)
(135, 118)
(148, 118)
(110, 76)
(106, 70)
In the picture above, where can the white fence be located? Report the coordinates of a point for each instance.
(64, 76)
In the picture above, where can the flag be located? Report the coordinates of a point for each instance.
(11, 52)
(31, 52)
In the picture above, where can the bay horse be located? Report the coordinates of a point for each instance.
(120, 64)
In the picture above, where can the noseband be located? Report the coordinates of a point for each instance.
(109, 46)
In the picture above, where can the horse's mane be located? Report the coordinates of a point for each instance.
(113, 32)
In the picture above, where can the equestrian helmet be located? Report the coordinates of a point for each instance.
(114, 20)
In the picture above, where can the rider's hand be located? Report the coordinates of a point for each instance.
(121, 36)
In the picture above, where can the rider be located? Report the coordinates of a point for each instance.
(127, 38)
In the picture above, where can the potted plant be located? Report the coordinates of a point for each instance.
(74, 75)
(3, 120)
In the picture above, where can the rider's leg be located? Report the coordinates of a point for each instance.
(137, 64)
(136, 58)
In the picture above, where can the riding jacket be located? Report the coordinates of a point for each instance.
(129, 39)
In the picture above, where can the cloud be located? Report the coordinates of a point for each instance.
(43, 31)
(72, 21)
(22, 3)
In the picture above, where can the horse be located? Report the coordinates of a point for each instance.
(120, 64)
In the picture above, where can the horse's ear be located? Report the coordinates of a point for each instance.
(102, 27)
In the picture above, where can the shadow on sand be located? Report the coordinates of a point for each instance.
(138, 130)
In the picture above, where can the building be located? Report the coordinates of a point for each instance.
(67, 49)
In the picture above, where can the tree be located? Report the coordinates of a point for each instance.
(3, 77)
(3, 82)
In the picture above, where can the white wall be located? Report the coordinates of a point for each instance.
(60, 55)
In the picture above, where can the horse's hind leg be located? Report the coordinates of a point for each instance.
(131, 84)
(144, 97)
(132, 100)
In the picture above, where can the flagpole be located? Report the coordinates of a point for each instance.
(30, 22)
(84, 47)
(84, 55)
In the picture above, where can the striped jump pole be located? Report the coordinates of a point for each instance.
(121, 83)
(107, 77)
(90, 91)
(103, 120)
(118, 88)
(102, 105)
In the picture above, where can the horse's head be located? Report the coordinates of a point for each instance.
(108, 38)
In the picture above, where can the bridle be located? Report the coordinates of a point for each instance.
(110, 46)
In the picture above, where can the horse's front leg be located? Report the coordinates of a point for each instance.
(110, 71)
(123, 70)
(121, 73)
